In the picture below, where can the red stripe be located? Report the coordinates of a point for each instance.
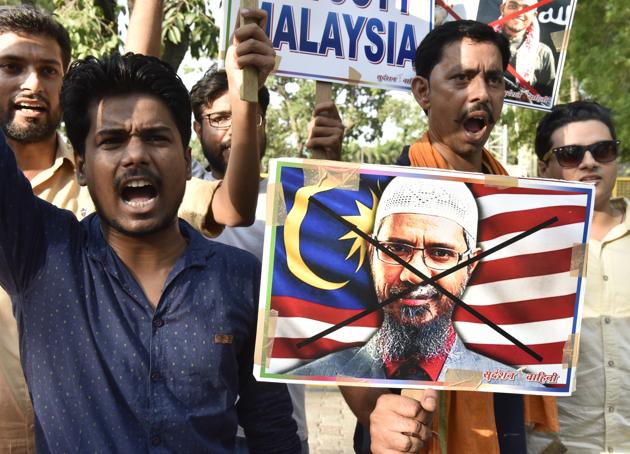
(528, 311)
(522, 266)
(480, 190)
(295, 307)
(449, 10)
(519, 221)
(512, 355)
(284, 347)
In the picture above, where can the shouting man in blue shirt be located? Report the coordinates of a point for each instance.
(136, 333)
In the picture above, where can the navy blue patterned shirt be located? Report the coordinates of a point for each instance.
(106, 372)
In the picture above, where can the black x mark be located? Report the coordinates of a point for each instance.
(428, 280)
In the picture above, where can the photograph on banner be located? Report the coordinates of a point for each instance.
(538, 32)
(365, 42)
(411, 278)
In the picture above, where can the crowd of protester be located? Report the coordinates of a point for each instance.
(124, 329)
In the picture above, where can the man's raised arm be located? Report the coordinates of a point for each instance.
(239, 191)
(144, 35)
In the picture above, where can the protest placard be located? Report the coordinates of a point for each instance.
(344, 304)
(367, 42)
(538, 31)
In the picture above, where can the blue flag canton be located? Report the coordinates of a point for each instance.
(320, 267)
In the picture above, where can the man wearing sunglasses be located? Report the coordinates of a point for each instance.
(577, 142)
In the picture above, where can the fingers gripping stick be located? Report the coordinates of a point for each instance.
(323, 93)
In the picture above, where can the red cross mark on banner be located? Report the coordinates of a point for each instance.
(500, 21)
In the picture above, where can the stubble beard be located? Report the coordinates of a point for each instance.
(217, 159)
(32, 132)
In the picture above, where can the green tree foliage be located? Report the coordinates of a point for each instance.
(188, 25)
(93, 28)
(599, 59)
(597, 67)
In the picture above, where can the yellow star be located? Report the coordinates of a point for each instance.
(364, 221)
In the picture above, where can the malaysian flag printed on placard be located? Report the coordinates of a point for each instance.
(321, 275)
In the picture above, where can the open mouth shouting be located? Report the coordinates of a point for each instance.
(476, 122)
(139, 192)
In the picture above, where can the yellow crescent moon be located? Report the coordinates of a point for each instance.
(292, 226)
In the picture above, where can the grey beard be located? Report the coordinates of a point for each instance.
(395, 341)
(33, 133)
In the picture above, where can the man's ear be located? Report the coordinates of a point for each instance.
(542, 168)
(420, 89)
(473, 265)
(197, 128)
(188, 158)
(79, 162)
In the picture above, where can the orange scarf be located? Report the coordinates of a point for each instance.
(469, 422)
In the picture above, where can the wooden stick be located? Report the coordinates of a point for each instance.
(249, 87)
(323, 93)
(413, 393)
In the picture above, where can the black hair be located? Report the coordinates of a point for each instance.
(563, 114)
(90, 80)
(28, 20)
(212, 86)
(429, 52)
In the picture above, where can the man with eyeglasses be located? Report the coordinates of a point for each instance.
(432, 225)
(577, 141)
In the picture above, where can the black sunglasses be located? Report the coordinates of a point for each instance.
(572, 155)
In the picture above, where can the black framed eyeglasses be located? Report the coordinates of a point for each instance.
(572, 155)
(434, 257)
(224, 120)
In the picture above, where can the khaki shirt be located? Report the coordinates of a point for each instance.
(596, 418)
(58, 185)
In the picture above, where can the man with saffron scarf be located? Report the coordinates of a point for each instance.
(459, 85)
(532, 59)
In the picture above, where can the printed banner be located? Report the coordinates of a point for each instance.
(538, 31)
(408, 278)
(367, 42)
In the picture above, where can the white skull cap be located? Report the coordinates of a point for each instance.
(447, 199)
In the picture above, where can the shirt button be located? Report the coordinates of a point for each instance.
(611, 409)
(610, 449)
(155, 376)
(158, 323)
(156, 440)
(607, 320)
(605, 278)
(611, 363)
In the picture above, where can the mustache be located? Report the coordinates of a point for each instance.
(147, 174)
(476, 108)
(419, 292)
(225, 145)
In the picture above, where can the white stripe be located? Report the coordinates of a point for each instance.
(549, 239)
(490, 205)
(529, 333)
(282, 365)
(521, 289)
(298, 327)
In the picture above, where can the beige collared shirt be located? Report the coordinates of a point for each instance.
(597, 417)
(58, 185)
